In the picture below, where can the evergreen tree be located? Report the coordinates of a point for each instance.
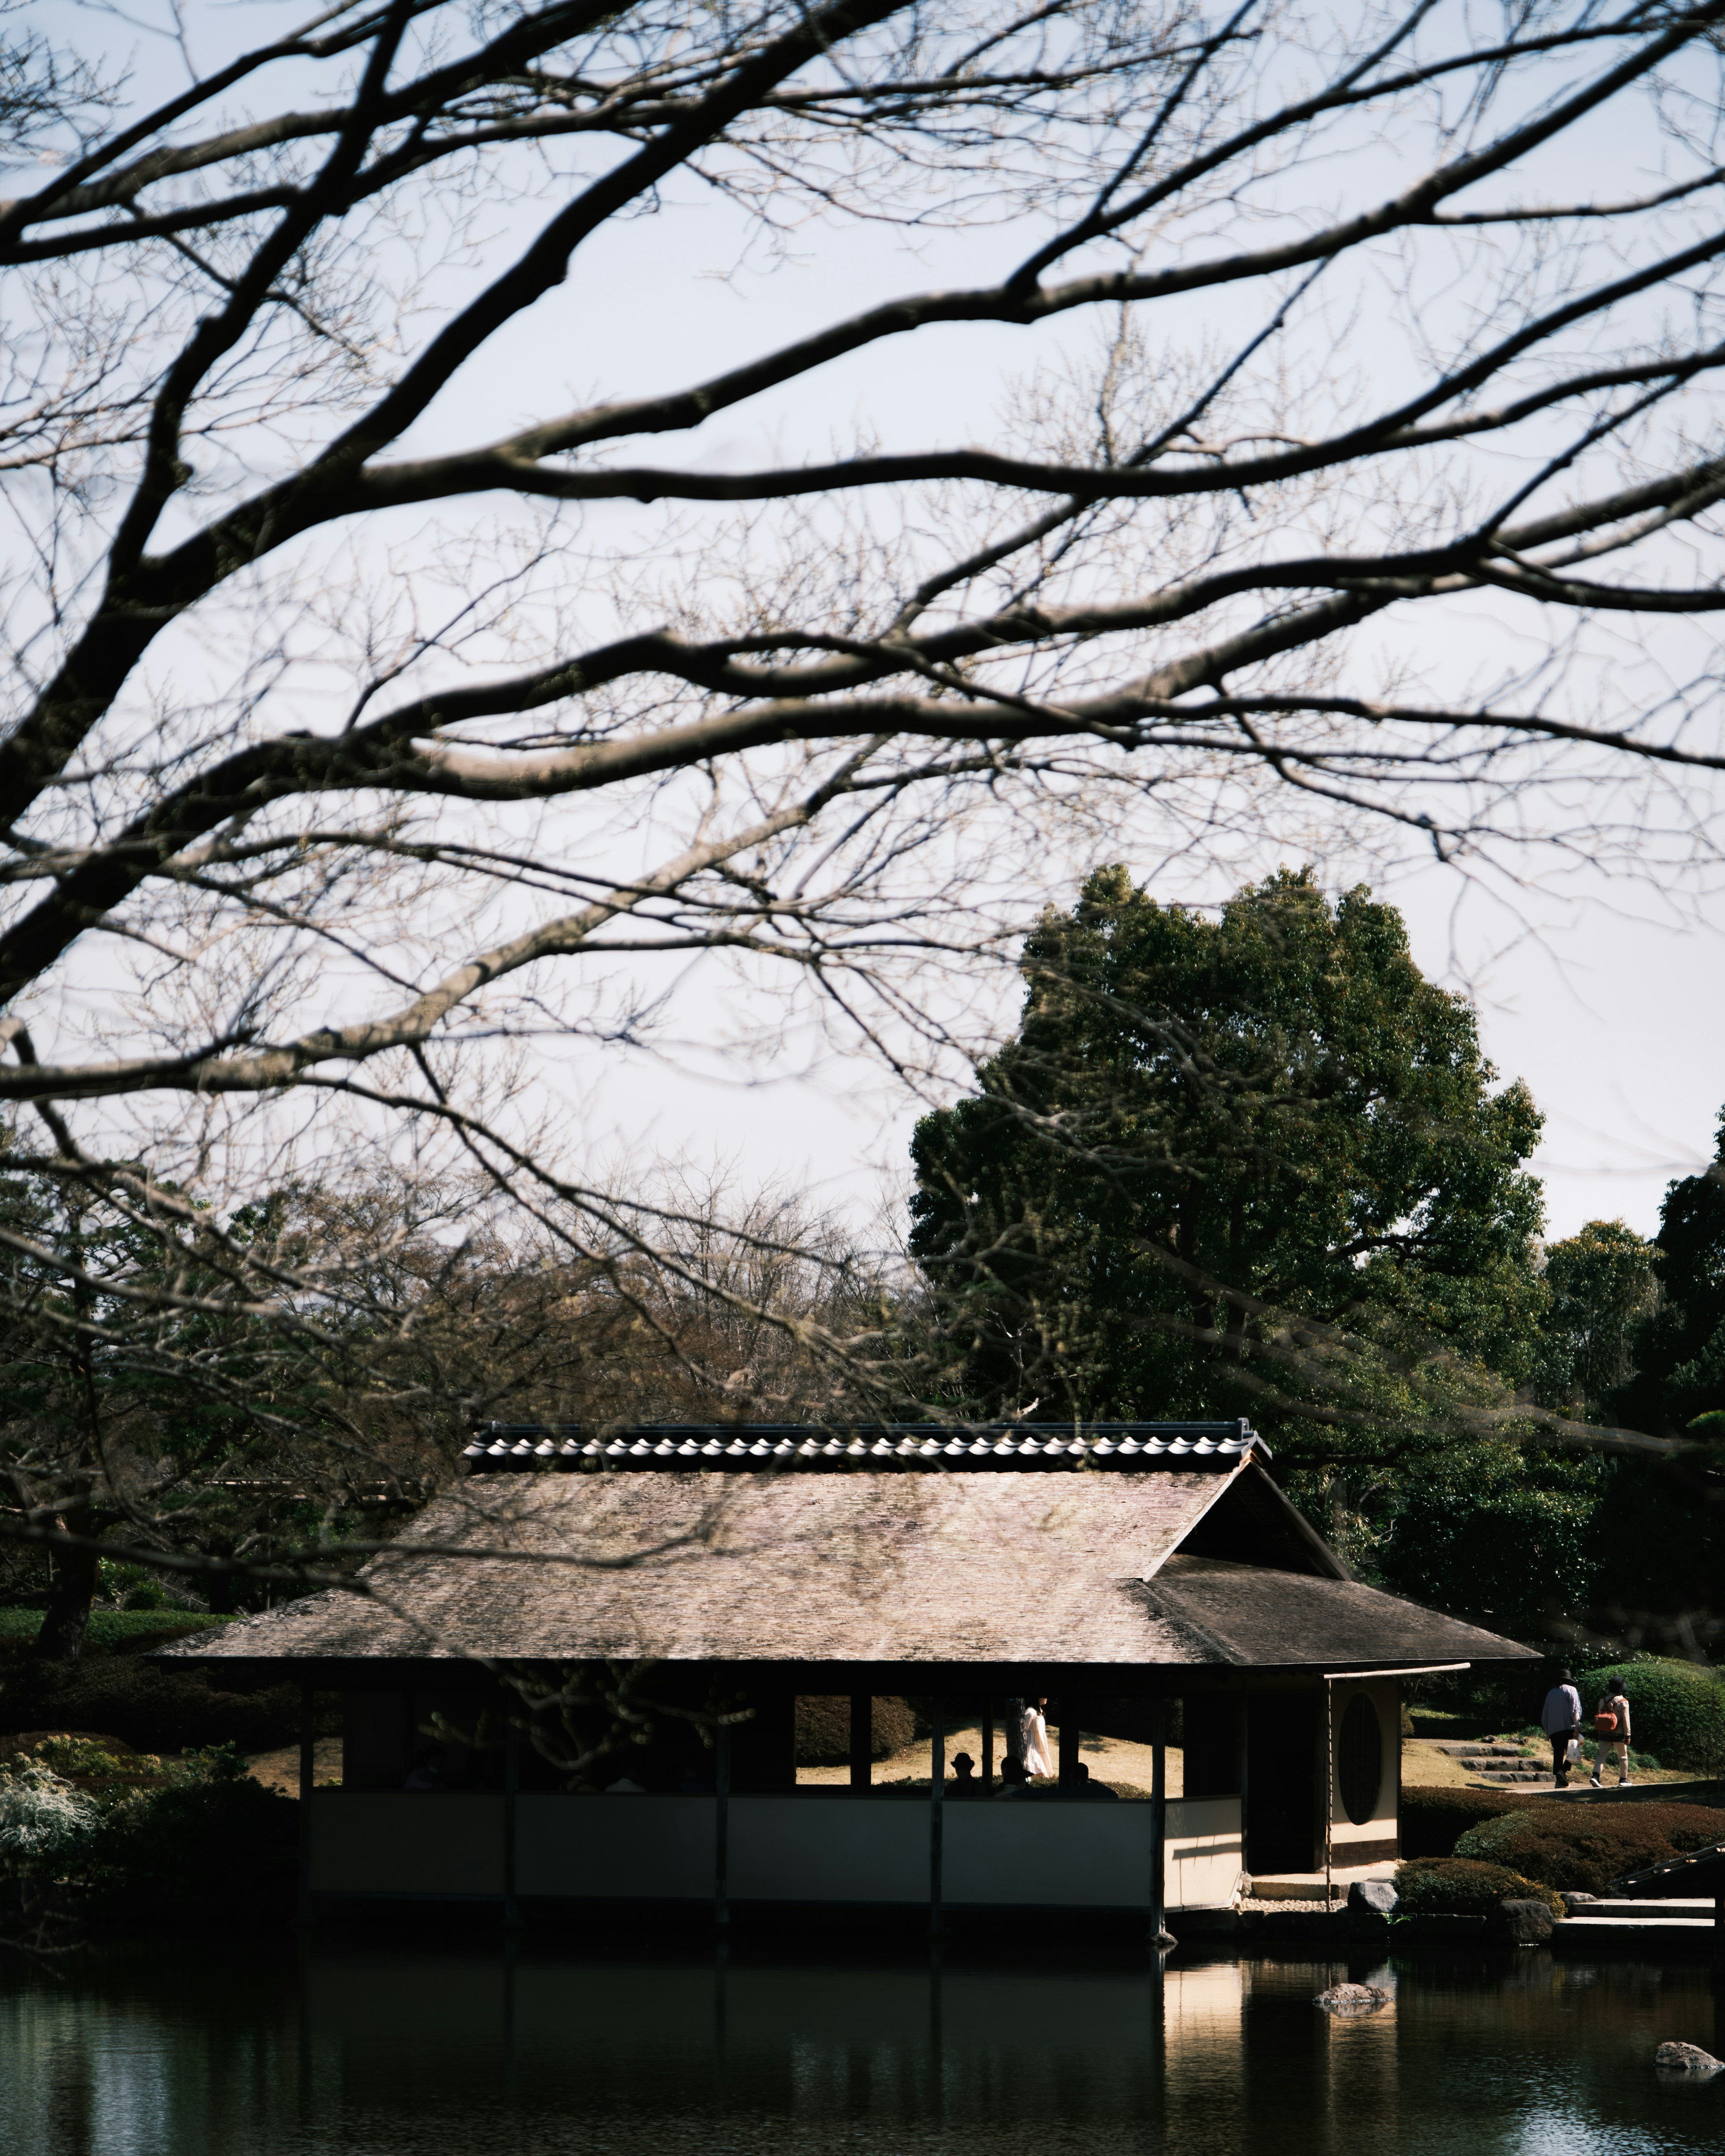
(1249, 1165)
(1679, 1383)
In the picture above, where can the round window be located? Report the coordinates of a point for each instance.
(1359, 1759)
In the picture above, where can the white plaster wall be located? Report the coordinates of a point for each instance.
(1385, 1694)
(784, 1849)
(1204, 1854)
(626, 1848)
(397, 1842)
(787, 1849)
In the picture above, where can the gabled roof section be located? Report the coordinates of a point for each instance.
(1245, 1617)
(1002, 1566)
(1013, 1566)
(1253, 1521)
(748, 1447)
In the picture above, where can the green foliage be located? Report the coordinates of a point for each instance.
(155, 1709)
(1676, 1708)
(1582, 1848)
(1251, 1165)
(45, 1824)
(1680, 1349)
(1507, 1536)
(211, 1847)
(111, 1628)
(824, 1729)
(1601, 1284)
(1455, 1886)
(95, 1757)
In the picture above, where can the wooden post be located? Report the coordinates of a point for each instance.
(988, 1744)
(1329, 1788)
(512, 1790)
(721, 1828)
(308, 1762)
(1159, 1819)
(862, 1740)
(1069, 1735)
(937, 1821)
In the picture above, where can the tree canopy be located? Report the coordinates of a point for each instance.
(445, 616)
(1255, 1164)
(1678, 1380)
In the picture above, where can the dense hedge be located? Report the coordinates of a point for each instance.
(824, 1729)
(94, 1839)
(1676, 1709)
(121, 1630)
(1452, 1886)
(214, 1852)
(147, 1705)
(1582, 1848)
(1433, 1819)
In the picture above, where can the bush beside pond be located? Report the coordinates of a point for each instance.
(1582, 1848)
(1455, 1886)
(101, 1837)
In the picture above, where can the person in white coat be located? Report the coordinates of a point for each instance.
(1037, 1758)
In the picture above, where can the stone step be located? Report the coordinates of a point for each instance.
(1692, 1912)
(1479, 1751)
(1506, 1777)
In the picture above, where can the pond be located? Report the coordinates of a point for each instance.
(373, 2053)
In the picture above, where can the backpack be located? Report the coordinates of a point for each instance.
(1604, 1721)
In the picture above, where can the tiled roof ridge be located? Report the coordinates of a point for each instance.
(506, 1448)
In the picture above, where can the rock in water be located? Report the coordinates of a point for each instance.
(1686, 2059)
(1529, 1923)
(1352, 1999)
(1378, 1895)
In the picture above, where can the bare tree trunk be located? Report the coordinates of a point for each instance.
(71, 1589)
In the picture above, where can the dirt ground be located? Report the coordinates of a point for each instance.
(1424, 1767)
(280, 1770)
(1110, 1759)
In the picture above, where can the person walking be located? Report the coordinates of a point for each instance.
(1037, 1758)
(1611, 1729)
(1561, 1720)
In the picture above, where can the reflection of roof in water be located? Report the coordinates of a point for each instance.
(1191, 1561)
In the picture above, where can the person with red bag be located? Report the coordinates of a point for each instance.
(1611, 1729)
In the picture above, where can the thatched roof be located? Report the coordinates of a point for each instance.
(1013, 1566)
(1253, 1618)
(1121, 1447)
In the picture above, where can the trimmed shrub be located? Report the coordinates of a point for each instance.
(824, 1728)
(1433, 1819)
(43, 1821)
(1676, 1709)
(153, 1708)
(1453, 1886)
(212, 1848)
(1582, 1848)
(115, 1631)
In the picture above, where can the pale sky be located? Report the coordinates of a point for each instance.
(1609, 1000)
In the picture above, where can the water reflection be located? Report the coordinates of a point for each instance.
(372, 2054)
